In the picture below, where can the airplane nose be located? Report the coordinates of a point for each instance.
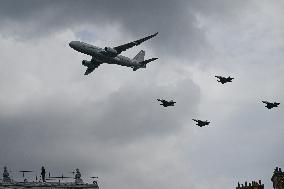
(72, 44)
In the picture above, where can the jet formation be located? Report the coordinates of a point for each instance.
(201, 123)
(224, 80)
(112, 55)
(166, 103)
(270, 105)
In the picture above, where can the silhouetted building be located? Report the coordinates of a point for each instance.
(7, 183)
(252, 185)
(6, 177)
(78, 179)
(278, 178)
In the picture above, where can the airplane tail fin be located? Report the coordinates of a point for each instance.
(140, 56)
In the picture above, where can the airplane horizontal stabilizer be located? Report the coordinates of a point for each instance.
(147, 61)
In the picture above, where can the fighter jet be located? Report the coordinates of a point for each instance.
(224, 79)
(112, 55)
(270, 105)
(166, 103)
(201, 123)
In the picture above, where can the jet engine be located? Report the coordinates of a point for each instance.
(86, 63)
(110, 51)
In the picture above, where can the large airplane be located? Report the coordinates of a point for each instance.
(201, 123)
(224, 79)
(166, 103)
(270, 105)
(112, 55)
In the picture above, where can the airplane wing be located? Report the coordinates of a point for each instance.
(93, 66)
(219, 77)
(195, 120)
(126, 46)
(143, 63)
(265, 102)
(89, 70)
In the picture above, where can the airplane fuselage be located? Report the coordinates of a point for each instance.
(201, 123)
(100, 55)
(167, 104)
(271, 105)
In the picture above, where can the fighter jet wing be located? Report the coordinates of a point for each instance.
(126, 46)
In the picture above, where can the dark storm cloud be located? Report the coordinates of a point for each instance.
(133, 112)
(45, 123)
(52, 130)
(175, 20)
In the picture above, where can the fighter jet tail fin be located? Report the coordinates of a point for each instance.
(140, 56)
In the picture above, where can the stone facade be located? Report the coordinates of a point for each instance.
(278, 178)
(252, 185)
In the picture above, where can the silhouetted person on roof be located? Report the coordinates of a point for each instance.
(43, 173)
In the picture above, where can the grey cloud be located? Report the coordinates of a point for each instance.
(134, 112)
(177, 25)
(52, 130)
(243, 144)
(176, 21)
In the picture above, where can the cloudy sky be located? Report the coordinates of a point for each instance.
(109, 123)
